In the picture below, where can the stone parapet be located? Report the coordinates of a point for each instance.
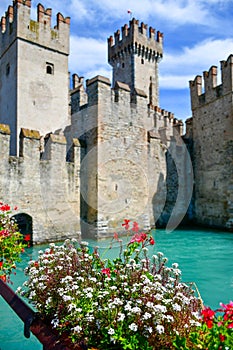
(135, 38)
(17, 24)
(211, 91)
(5, 129)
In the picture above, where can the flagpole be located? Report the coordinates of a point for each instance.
(130, 14)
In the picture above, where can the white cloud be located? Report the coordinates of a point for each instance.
(174, 81)
(178, 68)
(175, 12)
(88, 56)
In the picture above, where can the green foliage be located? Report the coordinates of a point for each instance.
(214, 332)
(132, 302)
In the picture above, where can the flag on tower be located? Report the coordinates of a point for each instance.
(130, 13)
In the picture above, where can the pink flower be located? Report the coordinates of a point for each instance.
(138, 237)
(4, 233)
(106, 271)
(135, 227)
(228, 310)
(115, 236)
(230, 325)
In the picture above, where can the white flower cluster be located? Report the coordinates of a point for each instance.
(74, 287)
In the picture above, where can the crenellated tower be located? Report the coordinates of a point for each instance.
(212, 133)
(134, 55)
(33, 64)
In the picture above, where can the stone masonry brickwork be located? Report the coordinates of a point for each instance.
(212, 135)
(33, 70)
(43, 185)
(82, 160)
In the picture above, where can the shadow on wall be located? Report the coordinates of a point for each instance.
(164, 199)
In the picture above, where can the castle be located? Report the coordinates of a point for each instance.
(84, 159)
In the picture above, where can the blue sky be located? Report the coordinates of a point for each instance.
(197, 35)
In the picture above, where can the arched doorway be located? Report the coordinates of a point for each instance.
(24, 222)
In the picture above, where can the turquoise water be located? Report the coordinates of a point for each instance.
(204, 256)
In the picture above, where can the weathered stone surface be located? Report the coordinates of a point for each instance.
(113, 153)
(212, 134)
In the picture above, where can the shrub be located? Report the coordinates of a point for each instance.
(130, 302)
(215, 331)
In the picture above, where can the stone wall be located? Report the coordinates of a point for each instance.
(34, 71)
(213, 146)
(46, 189)
(124, 167)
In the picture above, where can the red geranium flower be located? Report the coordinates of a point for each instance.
(27, 237)
(208, 316)
(126, 224)
(106, 271)
(152, 241)
(3, 278)
(5, 207)
(222, 337)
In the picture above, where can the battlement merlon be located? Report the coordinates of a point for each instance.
(54, 148)
(227, 75)
(17, 23)
(136, 38)
(210, 83)
(195, 87)
(29, 143)
(212, 91)
(4, 142)
(44, 15)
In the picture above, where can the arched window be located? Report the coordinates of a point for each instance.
(49, 68)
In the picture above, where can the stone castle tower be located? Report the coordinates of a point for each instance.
(134, 57)
(33, 64)
(117, 154)
(125, 136)
(212, 135)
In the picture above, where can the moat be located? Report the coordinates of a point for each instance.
(204, 256)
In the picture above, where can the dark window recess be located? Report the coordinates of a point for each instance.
(49, 68)
(8, 69)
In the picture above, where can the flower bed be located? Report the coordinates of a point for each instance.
(131, 302)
